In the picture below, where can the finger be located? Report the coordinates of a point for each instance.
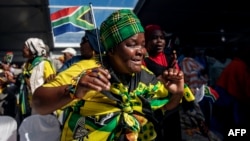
(96, 80)
(170, 71)
(99, 70)
(172, 74)
(89, 83)
(95, 84)
(180, 74)
(101, 81)
(100, 74)
(104, 72)
(175, 71)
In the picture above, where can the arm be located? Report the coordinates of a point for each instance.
(47, 99)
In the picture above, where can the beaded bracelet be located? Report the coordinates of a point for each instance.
(72, 88)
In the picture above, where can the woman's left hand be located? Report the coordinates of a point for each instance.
(173, 79)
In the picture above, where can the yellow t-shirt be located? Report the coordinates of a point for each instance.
(65, 77)
(48, 69)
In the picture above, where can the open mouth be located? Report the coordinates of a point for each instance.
(137, 61)
(159, 47)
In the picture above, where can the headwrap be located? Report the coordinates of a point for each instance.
(149, 29)
(119, 26)
(36, 46)
(92, 37)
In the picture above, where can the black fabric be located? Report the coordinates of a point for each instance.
(9, 105)
(168, 125)
(154, 67)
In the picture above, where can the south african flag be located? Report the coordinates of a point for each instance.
(72, 19)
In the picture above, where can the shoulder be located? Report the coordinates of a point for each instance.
(75, 59)
(146, 70)
(79, 66)
(73, 71)
(47, 63)
(147, 76)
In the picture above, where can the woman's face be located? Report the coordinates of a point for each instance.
(26, 52)
(127, 56)
(86, 49)
(156, 43)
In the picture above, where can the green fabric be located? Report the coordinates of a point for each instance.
(134, 102)
(119, 26)
(23, 91)
(110, 115)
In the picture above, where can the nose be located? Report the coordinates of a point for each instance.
(159, 38)
(141, 51)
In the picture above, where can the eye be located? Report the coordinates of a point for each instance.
(131, 44)
(154, 37)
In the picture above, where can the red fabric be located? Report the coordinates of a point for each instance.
(150, 28)
(235, 79)
(63, 13)
(160, 59)
(212, 93)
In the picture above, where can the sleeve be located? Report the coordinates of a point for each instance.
(48, 69)
(65, 77)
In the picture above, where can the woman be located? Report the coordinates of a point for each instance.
(89, 48)
(157, 62)
(113, 100)
(233, 87)
(36, 71)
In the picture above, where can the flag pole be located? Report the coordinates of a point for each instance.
(96, 30)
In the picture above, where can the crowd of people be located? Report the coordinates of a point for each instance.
(130, 84)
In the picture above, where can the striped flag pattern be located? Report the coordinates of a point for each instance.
(72, 19)
(211, 93)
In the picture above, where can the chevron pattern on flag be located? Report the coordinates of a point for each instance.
(211, 93)
(72, 19)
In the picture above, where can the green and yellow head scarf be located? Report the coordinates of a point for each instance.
(119, 26)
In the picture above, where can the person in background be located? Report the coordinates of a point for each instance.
(89, 48)
(157, 62)
(36, 71)
(56, 62)
(8, 101)
(195, 73)
(68, 53)
(233, 86)
(217, 60)
(115, 99)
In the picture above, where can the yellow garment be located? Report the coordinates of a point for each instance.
(72, 72)
(95, 105)
(48, 69)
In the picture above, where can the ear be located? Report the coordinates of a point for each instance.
(110, 53)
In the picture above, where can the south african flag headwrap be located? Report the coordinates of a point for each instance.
(119, 26)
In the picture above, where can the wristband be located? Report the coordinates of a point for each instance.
(71, 89)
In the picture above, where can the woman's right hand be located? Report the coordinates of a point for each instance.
(93, 79)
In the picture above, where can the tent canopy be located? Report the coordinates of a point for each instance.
(22, 19)
(198, 23)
